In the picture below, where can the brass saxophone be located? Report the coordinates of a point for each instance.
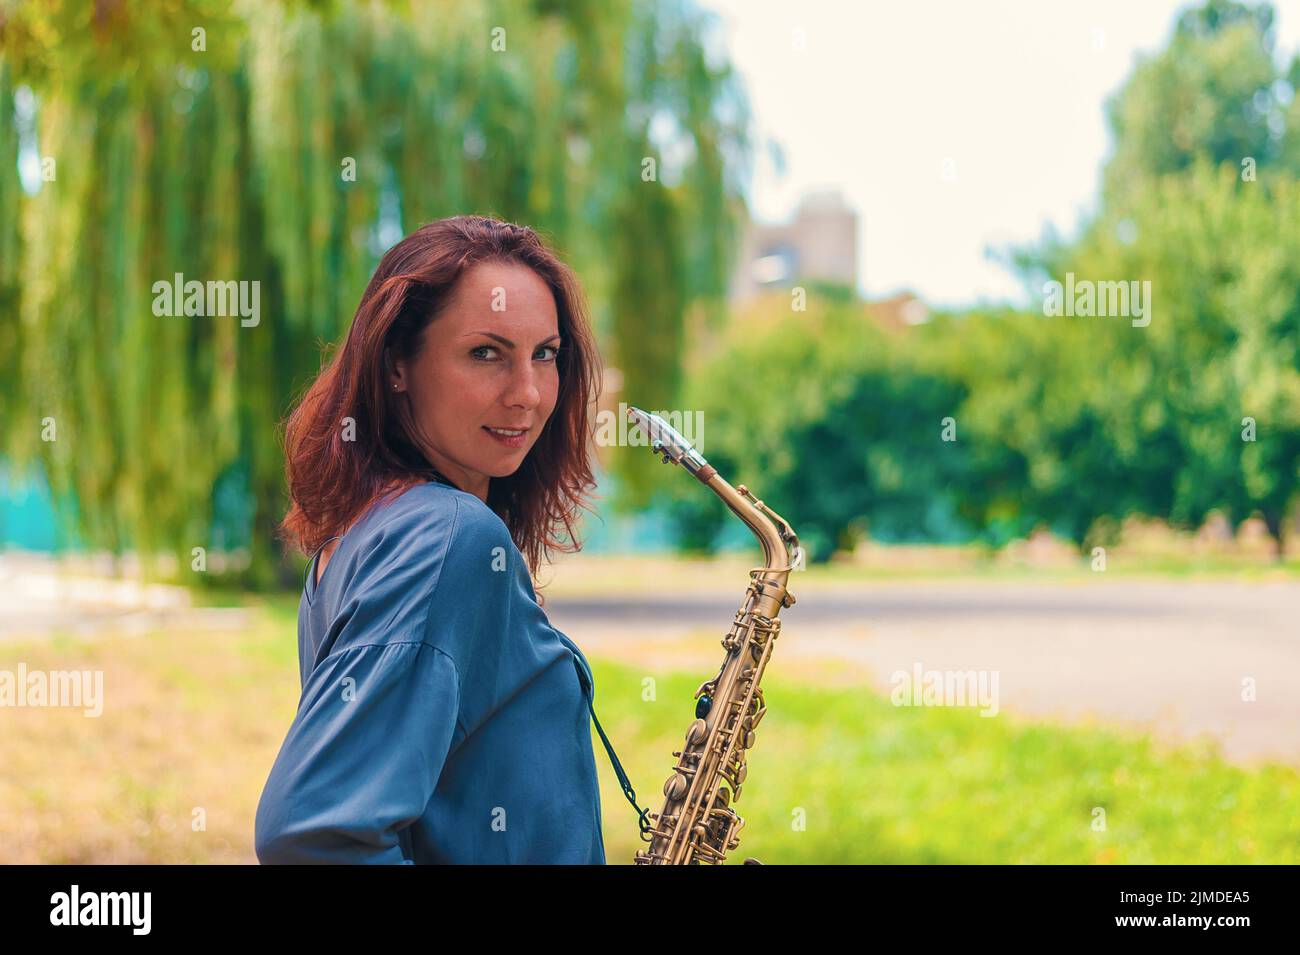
(697, 823)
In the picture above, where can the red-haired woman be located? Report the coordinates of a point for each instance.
(431, 467)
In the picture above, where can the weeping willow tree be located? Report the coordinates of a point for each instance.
(289, 144)
(9, 251)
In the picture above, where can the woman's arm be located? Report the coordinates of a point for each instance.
(362, 758)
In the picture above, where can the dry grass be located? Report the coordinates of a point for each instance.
(171, 770)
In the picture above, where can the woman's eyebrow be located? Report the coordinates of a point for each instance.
(505, 341)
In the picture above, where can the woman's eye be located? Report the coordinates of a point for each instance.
(553, 349)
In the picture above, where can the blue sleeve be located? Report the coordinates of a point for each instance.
(362, 758)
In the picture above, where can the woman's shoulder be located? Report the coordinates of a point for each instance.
(415, 566)
(433, 565)
(435, 509)
(426, 532)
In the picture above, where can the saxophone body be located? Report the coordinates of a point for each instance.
(698, 823)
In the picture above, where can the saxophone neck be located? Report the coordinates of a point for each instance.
(781, 550)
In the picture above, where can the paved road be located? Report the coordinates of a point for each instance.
(1165, 656)
(38, 599)
(1170, 657)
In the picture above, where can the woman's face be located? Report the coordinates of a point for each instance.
(487, 361)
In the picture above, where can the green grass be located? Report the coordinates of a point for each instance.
(599, 575)
(875, 783)
(193, 721)
(607, 574)
(1155, 567)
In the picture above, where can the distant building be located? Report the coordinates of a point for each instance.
(820, 242)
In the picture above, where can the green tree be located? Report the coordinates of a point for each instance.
(1164, 408)
(1214, 93)
(289, 143)
(1223, 257)
(830, 418)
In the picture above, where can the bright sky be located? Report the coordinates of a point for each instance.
(949, 126)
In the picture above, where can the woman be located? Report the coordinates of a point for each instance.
(430, 466)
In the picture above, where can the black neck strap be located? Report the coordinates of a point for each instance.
(623, 781)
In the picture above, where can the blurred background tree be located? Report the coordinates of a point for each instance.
(1215, 93)
(832, 419)
(216, 141)
(1200, 200)
(1070, 423)
(291, 143)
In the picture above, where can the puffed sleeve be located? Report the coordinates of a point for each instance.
(362, 757)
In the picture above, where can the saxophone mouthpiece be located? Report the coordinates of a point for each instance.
(668, 441)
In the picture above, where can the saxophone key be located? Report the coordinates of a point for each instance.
(696, 732)
(675, 787)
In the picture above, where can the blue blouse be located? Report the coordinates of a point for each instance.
(442, 718)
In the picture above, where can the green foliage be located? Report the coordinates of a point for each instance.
(831, 420)
(1116, 419)
(233, 162)
(1211, 94)
(1223, 257)
(1072, 422)
(10, 287)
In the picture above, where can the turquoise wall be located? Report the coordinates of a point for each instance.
(28, 522)
(27, 518)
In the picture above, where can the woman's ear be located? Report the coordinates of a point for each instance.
(396, 372)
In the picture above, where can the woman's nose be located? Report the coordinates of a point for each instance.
(523, 389)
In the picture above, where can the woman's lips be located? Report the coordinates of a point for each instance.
(515, 441)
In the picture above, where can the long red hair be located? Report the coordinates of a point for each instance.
(332, 480)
